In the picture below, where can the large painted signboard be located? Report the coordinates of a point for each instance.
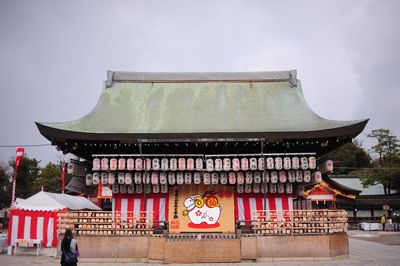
(201, 209)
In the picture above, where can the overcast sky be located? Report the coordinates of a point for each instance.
(54, 54)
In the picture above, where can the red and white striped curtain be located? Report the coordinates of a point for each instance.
(33, 225)
(246, 204)
(156, 202)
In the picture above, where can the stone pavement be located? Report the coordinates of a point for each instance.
(366, 248)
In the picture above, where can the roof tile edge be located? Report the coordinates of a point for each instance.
(172, 77)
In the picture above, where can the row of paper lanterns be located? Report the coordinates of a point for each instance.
(187, 178)
(241, 188)
(217, 164)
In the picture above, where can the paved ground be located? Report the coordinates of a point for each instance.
(366, 248)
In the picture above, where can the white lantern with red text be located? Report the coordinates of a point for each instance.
(282, 176)
(287, 163)
(121, 164)
(164, 164)
(224, 178)
(139, 164)
(218, 164)
(226, 165)
(188, 178)
(244, 164)
(181, 164)
(154, 178)
(128, 178)
(312, 162)
(146, 178)
(232, 178)
(295, 163)
(270, 163)
(318, 177)
(274, 177)
(197, 178)
(214, 178)
(210, 165)
(147, 164)
(235, 164)
(156, 164)
(278, 163)
(113, 164)
(199, 164)
(261, 164)
(130, 164)
(303, 163)
(207, 178)
(111, 178)
(104, 164)
(249, 177)
(96, 164)
(173, 164)
(240, 178)
(190, 164)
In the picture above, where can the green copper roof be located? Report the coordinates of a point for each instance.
(130, 106)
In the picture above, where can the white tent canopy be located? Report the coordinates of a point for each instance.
(46, 201)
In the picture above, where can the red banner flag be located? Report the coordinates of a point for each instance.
(18, 157)
(63, 177)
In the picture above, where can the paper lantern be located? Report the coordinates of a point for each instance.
(235, 164)
(104, 164)
(281, 188)
(164, 189)
(270, 163)
(121, 178)
(171, 178)
(282, 176)
(180, 178)
(197, 178)
(218, 164)
(130, 164)
(89, 179)
(207, 178)
(318, 177)
(257, 177)
(240, 178)
(173, 164)
(104, 178)
(164, 164)
(253, 163)
(214, 178)
(240, 188)
(224, 178)
(295, 163)
(147, 188)
(199, 164)
(115, 189)
(210, 165)
(139, 164)
(188, 178)
(289, 188)
(299, 191)
(122, 189)
(303, 163)
(96, 164)
(154, 178)
(272, 188)
(327, 166)
(96, 178)
(264, 188)
(261, 164)
(121, 164)
(156, 164)
(111, 178)
(113, 164)
(278, 163)
(265, 177)
(131, 189)
(146, 178)
(312, 162)
(128, 178)
(232, 178)
(256, 188)
(139, 189)
(138, 178)
(182, 164)
(244, 164)
(163, 178)
(147, 164)
(190, 164)
(247, 188)
(274, 177)
(307, 176)
(291, 176)
(249, 177)
(287, 163)
(226, 165)
(299, 176)
(156, 188)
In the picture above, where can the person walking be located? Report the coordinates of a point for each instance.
(69, 250)
(383, 222)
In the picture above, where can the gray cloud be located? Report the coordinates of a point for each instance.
(54, 54)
